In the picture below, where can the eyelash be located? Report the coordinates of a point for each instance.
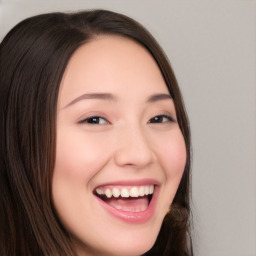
(93, 120)
(160, 117)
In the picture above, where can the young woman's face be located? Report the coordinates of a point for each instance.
(120, 153)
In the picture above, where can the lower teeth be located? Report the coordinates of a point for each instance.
(141, 209)
(138, 204)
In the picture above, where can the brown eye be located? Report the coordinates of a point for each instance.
(94, 120)
(160, 119)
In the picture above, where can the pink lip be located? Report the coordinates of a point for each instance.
(133, 217)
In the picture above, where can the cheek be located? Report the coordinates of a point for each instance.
(170, 150)
(172, 154)
(177, 157)
(78, 159)
(79, 156)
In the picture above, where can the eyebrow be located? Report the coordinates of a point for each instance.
(99, 96)
(111, 97)
(158, 96)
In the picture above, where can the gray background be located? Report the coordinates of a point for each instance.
(212, 47)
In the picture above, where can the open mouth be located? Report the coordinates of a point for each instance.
(126, 198)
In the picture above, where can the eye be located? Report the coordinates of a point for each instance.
(160, 119)
(94, 120)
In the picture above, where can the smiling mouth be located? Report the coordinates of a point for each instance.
(126, 198)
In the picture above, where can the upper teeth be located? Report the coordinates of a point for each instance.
(134, 191)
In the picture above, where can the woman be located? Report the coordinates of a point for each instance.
(95, 151)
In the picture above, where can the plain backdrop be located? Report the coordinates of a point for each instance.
(212, 47)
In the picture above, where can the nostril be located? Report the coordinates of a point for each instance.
(132, 157)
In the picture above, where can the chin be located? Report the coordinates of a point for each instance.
(121, 246)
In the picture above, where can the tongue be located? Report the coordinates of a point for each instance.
(129, 204)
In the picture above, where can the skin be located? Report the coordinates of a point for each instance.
(123, 145)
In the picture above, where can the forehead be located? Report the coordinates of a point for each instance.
(111, 64)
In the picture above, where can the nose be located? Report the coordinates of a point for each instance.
(133, 149)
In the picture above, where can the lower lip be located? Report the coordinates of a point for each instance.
(133, 217)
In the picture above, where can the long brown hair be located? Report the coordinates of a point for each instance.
(33, 57)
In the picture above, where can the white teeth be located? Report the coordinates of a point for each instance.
(99, 191)
(134, 192)
(118, 207)
(140, 209)
(151, 189)
(108, 193)
(142, 191)
(116, 192)
(125, 192)
(146, 190)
